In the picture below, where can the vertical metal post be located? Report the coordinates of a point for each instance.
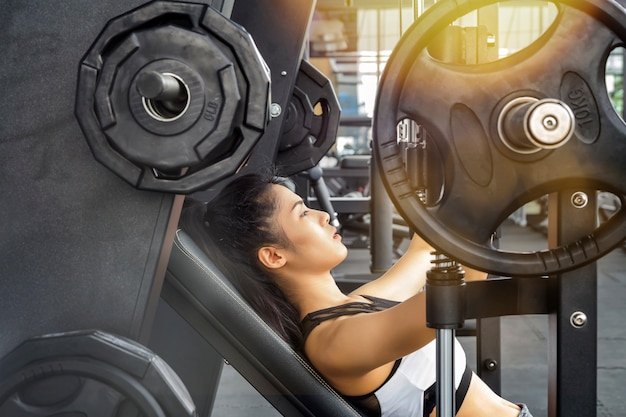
(418, 9)
(623, 85)
(488, 343)
(489, 21)
(572, 361)
(381, 208)
(381, 224)
(445, 312)
(400, 17)
(445, 373)
(488, 336)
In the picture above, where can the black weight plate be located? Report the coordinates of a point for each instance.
(89, 373)
(481, 182)
(227, 85)
(213, 99)
(311, 124)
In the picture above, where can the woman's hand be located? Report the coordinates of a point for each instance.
(474, 274)
(407, 276)
(419, 245)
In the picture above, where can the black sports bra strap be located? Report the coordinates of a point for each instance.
(314, 319)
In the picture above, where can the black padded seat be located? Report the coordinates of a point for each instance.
(203, 296)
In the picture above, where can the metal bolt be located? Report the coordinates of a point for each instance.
(578, 319)
(491, 364)
(275, 110)
(579, 199)
(550, 122)
(283, 73)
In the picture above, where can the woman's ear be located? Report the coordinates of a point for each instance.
(271, 257)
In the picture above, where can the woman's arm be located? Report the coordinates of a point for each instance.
(351, 351)
(407, 276)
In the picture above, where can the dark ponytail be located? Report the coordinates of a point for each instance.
(231, 229)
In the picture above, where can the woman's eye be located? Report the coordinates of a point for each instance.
(305, 212)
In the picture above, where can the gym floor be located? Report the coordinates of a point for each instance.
(524, 344)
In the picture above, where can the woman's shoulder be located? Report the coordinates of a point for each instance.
(385, 290)
(367, 304)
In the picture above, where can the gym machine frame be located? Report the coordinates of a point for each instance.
(530, 160)
(569, 299)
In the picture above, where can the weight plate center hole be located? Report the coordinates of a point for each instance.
(165, 96)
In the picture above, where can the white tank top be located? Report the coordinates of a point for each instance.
(403, 394)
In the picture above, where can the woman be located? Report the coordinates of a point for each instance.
(372, 345)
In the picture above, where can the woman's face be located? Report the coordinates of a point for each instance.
(316, 246)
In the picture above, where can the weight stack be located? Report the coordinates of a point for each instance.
(80, 247)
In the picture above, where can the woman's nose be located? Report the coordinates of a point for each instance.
(325, 217)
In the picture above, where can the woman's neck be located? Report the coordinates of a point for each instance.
(308, 294)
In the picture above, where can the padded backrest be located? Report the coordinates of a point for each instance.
(201, 294)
